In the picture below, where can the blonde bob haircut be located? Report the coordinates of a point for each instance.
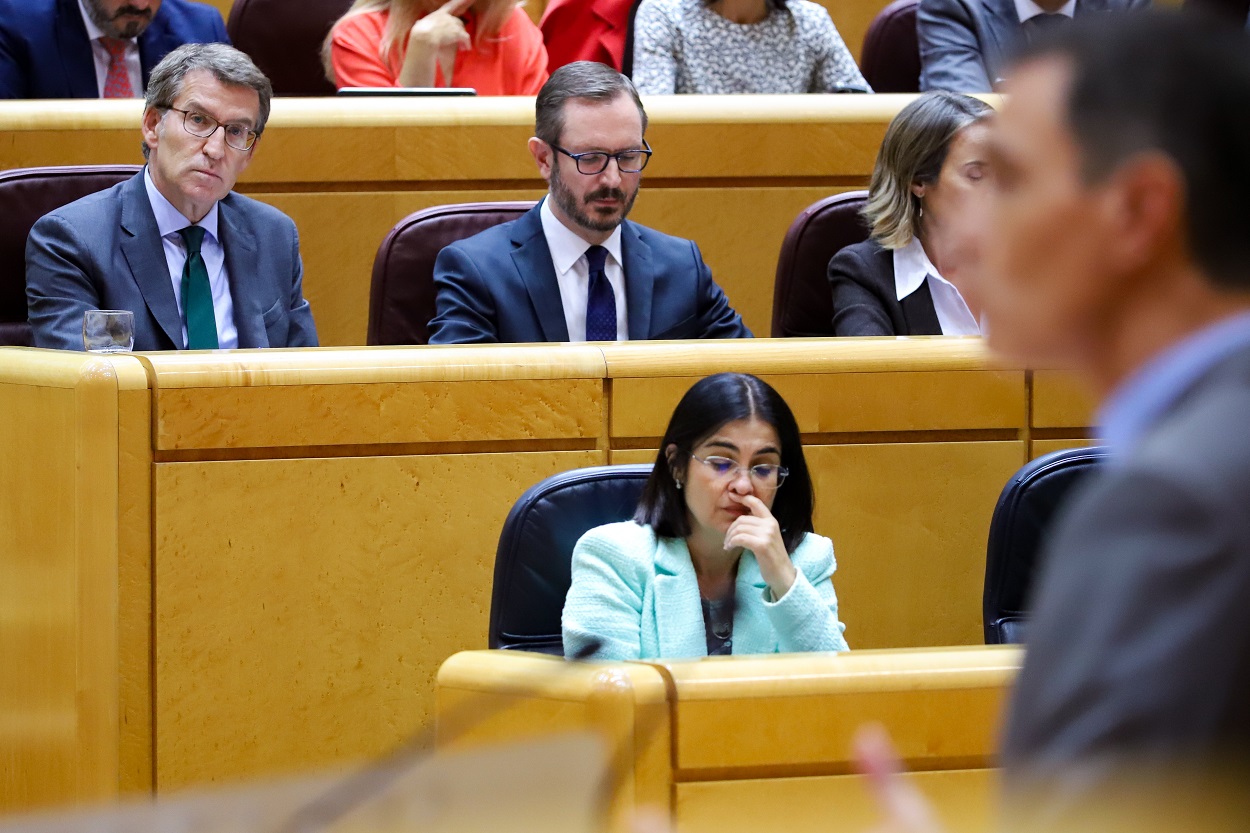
(912, 152)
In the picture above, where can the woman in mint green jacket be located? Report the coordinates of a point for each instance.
(720, 557)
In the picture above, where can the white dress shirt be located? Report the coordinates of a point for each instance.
(169, 221)
(912, 268)
(568, 255)
(101, 56)
(1027, 9)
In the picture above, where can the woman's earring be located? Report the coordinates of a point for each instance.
(678, 482)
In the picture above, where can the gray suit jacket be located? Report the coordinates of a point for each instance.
(1139, 644)
(104, 252)
(965, 44)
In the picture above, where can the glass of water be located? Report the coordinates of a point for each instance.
(108, 330)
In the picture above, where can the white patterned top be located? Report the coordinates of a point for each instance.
(682, 46)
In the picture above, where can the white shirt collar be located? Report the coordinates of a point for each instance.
(566, 246)
(911, 267)
(1027, 9)
(170, 220)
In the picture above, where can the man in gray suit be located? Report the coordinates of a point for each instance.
(965, 44)
(1114, 244)
(199, 266)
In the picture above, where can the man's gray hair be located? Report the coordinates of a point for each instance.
(583, 80)
(227, 64)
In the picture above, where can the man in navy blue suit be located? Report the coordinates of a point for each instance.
(95, 48)
(573, 268)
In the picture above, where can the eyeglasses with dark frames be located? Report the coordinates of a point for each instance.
(202, 126)
(596, 161)
(764, 474)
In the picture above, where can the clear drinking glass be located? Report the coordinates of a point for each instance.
(108, 330)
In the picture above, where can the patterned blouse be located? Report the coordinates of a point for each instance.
(682, 46)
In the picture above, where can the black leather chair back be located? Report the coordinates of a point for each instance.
(536, 549)
(802, 298)
(890, 59)
(401, 296)
(26, 194)
(284, 38)
(1018, 531)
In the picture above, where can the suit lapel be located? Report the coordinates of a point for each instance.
(753, 633)
(239, 244)
(639, 281)
(919, 313)
(678, 613)
(1003, 23)
(145, 255)
(532, 258)
(75, 47)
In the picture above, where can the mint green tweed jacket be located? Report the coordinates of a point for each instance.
(637, 597)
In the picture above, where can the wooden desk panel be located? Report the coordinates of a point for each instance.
(963, 799)
(307, 631)
(749, 735)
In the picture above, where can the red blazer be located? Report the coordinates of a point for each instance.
(585, 30)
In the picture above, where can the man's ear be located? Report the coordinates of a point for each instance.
(543, 155)
(1144, 208)
(151, 119)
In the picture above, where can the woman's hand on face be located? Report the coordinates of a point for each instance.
(760, 533)
(442, 33)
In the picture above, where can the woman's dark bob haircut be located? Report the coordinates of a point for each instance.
(710, 404)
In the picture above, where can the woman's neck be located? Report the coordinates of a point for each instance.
(947, 268)
(741, 11)
(714, 566)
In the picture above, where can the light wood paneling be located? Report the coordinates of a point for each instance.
(909, 523)
(963, 800)
(757, 739)
(60, 520)
(308, 630)
(1060, 401)
(1040, 447)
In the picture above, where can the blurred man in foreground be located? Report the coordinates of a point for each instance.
(1116, 245)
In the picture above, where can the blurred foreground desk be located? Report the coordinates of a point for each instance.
(753, 743)
(220, 565)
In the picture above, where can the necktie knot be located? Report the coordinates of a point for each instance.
(193, 237)
(596, 258)
(116, 47)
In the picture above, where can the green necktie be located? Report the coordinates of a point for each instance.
(197, 298)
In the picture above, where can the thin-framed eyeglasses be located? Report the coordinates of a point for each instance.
(596, 161)
(200, 125)
(764, 474)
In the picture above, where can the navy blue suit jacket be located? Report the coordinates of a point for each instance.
(104, 251)
(500, 286)
(45, 53)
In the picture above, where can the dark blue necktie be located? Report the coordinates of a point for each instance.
(600, 299)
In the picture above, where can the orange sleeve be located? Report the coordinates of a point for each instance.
(529, 67)
(354, 52)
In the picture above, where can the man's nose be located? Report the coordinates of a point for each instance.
(611, 175)
(215, 144)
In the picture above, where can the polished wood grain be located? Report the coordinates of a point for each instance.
(60, 473)
(748, 735)
(1059, 401)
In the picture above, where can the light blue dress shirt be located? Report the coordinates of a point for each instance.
(1138, 403)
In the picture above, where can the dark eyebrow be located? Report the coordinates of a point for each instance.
(728, 446)
(195, 107)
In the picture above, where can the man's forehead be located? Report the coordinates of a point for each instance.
(1034, 111)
